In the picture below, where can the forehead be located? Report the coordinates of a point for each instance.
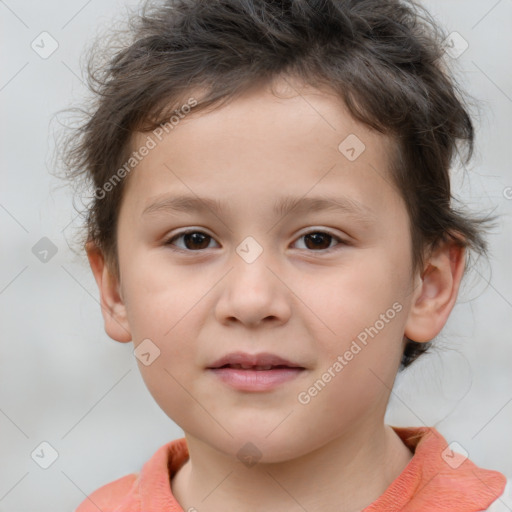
(293, 141)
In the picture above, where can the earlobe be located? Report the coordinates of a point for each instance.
(436, 293)
(112, 304)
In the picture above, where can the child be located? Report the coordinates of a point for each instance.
(264, 128)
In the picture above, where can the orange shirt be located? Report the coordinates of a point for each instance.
(435, 480)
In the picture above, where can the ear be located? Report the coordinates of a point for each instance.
(112, 304)
(436, 292)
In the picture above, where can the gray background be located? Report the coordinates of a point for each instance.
(63, 381)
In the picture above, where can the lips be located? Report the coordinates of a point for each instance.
(263, 361)
(255, 373)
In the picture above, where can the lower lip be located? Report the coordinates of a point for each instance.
(255, 380)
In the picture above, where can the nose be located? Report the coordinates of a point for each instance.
(253, 294)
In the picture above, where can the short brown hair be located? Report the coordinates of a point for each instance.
(383, 58)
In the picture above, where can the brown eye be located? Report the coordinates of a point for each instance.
(320, 240)
(195, 241)
(317, 240)
(192, 240)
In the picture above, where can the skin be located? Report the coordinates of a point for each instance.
(294, 300)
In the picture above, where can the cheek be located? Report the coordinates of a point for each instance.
(164, 309)
(352, 298)
(162, 298)
(364, 309)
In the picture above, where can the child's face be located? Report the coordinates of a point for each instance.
(296, 300)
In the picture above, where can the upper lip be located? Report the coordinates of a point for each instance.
(262, 359)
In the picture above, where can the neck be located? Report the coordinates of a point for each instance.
(347, 474)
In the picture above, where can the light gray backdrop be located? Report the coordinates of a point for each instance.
(65, 383)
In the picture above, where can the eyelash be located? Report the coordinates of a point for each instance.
(169, 241)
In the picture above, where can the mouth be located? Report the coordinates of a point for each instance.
(257, 362)
(256, 373)
(251, 367)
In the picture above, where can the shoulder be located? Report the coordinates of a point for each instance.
(504, 502)
(108, 497)
(146, 490)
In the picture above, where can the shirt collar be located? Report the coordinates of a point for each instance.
(436, 478)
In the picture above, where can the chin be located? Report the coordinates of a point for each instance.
(251, 446)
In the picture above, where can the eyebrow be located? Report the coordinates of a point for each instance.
(283, 206)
